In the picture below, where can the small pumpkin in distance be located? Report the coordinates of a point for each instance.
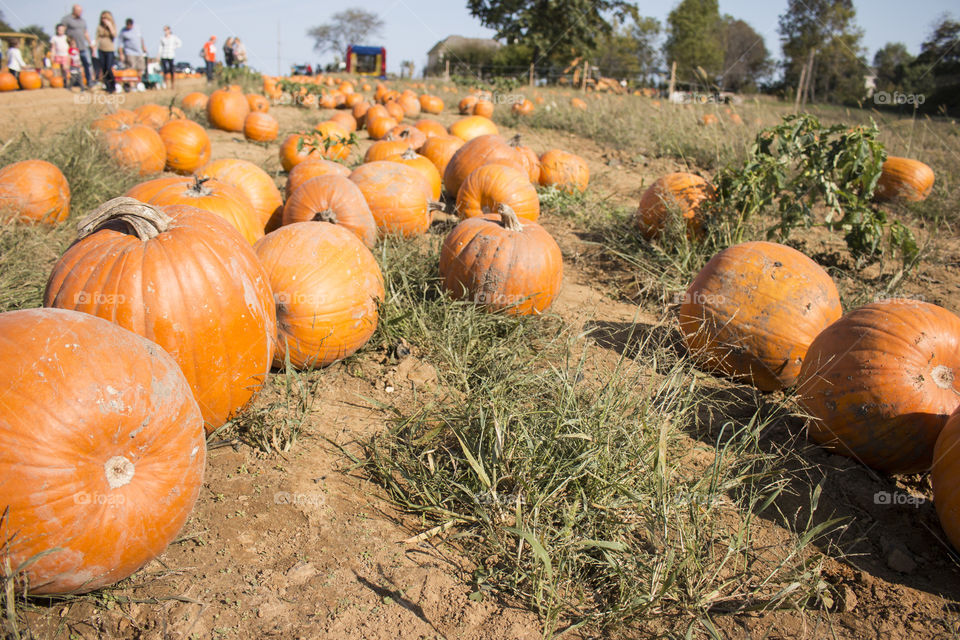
(34, 191)
(194, 101)
(675, 192)
(258, 102)
(260, 126)
(227, 109)
(904, 179)
(565, 171)
(483, 108)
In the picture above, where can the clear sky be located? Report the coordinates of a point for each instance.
(414, 26)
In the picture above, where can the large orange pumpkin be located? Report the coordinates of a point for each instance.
(30, 80)
(378, 128)
(182, 278)
(260, 127)
(255, 183)
(258, 102)
(881, 381)
(137, 148)
(34, 191)
(101, 449)
(187, 145)
(439, 150)
(333, 140)
(753, 311)
(502, 263)
(680, 193)
(335, 199)
(478, 152)
(227, 109)
(155, 116)
(473, 127)
(195, 101)
(8, 81)
(430, 128)
(491, 185)
(399, 196)
(945, 477)
(424, 166)
(327, 286)
(431, 104)
(904, 179)
(384, 149)
(115, 120)
(565, 171)
(529, 157)
(313, 168)
(216, 197)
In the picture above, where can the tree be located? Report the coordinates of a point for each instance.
(38, 31)
(937, 68)
(559, 29)
(894, 67)
(347, 27)
(694, 38)
(646, 31)
(617, 54)
(745, 59)
(827, 28)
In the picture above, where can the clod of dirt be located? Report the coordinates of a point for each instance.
(848, 600)
(901, 561)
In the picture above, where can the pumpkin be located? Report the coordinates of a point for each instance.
(680, 193)
(260, 127)
(529, 158)
(440, 149)
(327, 286)
(472, 127)
(904, 179)
(735, 119)
(384, 149)
(312, 168)
(378, 128)
(195, 101)
(475, 153)
(880, 382)
(184, 279)
(394, 110)
(410, 105)
(257, 102)
(352, 100)
(424, 166)
(431, 104)
(430, 128)
(334, 140)
(101, 450)
(295, 149)
(483, 108)
(945, 478)
(502, 263)
(360, 112)
(466, 105)
(577, 103)
(345, 120)
(399, 196)
(753, 310)
(146, 190)
(187, 145)
(215, 197)
(413, 137)
(523, 108)
(708, 119)
(255, 183)
(376, 111)
(115, 120)
(227, 109)
(565, 171)
(34, 191)
(335, 199)
(138, 148)
(155, 116)
(491, 185)
(8, 81)
(30, 80)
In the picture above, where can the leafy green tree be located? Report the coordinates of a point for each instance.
(828, 28)
(937, 68)
(646, 31)
(694, 38)
(745, 60)
(351, 26)
(617, 53)
(894, 68)
(559, 29)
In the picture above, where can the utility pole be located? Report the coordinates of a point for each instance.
(279, 71)
(673, 80)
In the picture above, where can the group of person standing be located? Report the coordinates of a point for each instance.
(234, 54)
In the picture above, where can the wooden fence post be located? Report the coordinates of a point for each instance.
(531, 75)
(583, 80)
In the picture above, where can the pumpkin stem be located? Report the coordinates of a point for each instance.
(409, 154)
(509, 218)
(197, 189)
(436, 205)
(514, 141)
(327, 215)
(143, 220)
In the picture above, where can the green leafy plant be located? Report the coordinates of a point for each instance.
(314, 140)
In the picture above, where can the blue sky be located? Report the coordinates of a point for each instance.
(414, 26)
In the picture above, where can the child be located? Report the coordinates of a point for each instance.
(154, 78)
(75, 64)
(15, 61)
(60, 47)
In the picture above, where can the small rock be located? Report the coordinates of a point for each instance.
(899, 560)
(848, 599)
(389, 389)
(301, 572)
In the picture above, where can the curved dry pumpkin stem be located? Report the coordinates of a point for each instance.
(144, 220)
(436, 205)
(409, 154)
(509, 218)
(514, 141)
(197, 189)
(327, 215)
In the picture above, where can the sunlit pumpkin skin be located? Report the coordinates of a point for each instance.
(313, 168)
(260, 127)
(440, 149)
(430, 128)
(137, 148)
(292, 152)
(155, 116)
(399, 197)
(565, 171)
(8, 81)
(333, 145)
(375, 111)
(945, 477)
(345, 120)
(502, 263)
(579, 104)
(195, 101)
(529, 157)
(182, 278)
(904, 179)
(753, 310)
(327, 286)
(34, 191)
(30, 80)
(410, 105)
(478, 152)
(431, 104)
(709, 119)
(880, 383)
(473, 127)
(149, 188)
(227, 110)
(216, 197)
(424, 166)
(466, 104)
(255, 183)
(491, 185)
(335, 199)
(673, 193)
(187, 145)
(115, 120)
(384, 149)
(378, 128)
(483, 108)
(257, 102)
(413, 137)
(102, 449)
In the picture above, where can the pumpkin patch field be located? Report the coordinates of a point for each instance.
(315, 357)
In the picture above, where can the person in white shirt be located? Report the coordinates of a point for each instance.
(61, 52)
(15, 61)
(168, 50)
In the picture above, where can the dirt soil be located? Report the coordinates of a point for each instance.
(301, 545)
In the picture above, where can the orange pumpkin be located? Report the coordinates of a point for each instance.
(410, 105)
(473, 127)
(466, 105)
(431, 104)
(8, 81)
(149, 188)
(215, 197)
(378, 128)
(475, 153)
(579, 104)
(333, 140)
(195, 101)
(413, 137)
(753, 310)
(680, 193)
(313, 168)
(385, 149)
(257, 102)
(708, 119)
(424, 166)
(30, 80)
(260, 127)
(529, 157)
(359, 112)
(184, 279)
(399, 196)
(880, 382)
(34, 191)
(945, 477)
(430, 128)
(483, 108)
(101, 450)
(137, 148)
(440, 149)
(523, 108)
(565, 171)
(187, 145)
(155, 116)
(255, 183)
(114, 120)
(394, 110)
(491, 185)
(502, 263)
(345, 120)
(335, 199)
(328, 287)
(227, 109)
(904, 179)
